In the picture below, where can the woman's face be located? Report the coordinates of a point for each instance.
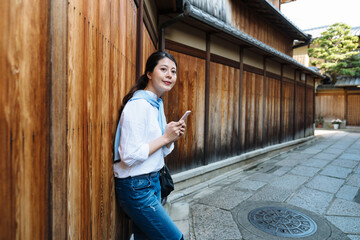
(163, 78)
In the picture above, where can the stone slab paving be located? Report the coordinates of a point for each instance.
(321, 178)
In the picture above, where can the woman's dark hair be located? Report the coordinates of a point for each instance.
(142, 82)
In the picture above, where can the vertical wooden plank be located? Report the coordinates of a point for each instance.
(305, 100)
(9, 69)
(281, 104)
(139, 38)
(24, 119)
(74, 117)
(191, 92)
(207, 140)
(224, 102)
(58, 120)
(294, 106)
(172, 99)
(218, 110)
(260, 98)
(346, 104)
(265, 97)
(313, 93)
(200, 116)
(183, 103)
(240, 110)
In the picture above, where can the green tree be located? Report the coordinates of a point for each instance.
(335, 52)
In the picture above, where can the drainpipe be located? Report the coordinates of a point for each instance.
(169, 22)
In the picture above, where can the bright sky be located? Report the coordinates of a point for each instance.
(316, 13)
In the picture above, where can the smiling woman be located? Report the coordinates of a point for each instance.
(140, 149)
(163, 78)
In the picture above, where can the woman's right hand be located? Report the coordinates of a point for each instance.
(175, 130)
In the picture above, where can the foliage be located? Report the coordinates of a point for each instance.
(335, 52)
(319, 120)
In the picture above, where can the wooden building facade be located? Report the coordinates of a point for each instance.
(65, 66)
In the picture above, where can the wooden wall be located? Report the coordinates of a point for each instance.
(222, 141)
(44, 196)
(24, 120)
(353, 110)
(248, 21)
(330, 105)
(339, 103)
(246, 111)
(187, 94)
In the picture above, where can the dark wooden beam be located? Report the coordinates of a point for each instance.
(294, 106)
(281, 103)
(139, 38)
(346, 104)
(314, 117)
(207, 99)
(263, 137)
(305, 108)
(241, 66)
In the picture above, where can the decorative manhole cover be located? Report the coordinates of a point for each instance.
(282, 222)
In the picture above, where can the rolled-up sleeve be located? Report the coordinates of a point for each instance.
(167, 151)
(132, 148)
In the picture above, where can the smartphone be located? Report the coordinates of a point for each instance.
(185, 115)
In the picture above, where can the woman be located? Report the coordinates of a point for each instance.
(140, 149)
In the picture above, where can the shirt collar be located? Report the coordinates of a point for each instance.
(152, 95)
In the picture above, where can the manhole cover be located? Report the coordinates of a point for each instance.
(282, 222)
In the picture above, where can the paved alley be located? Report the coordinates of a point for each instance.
(310, 192)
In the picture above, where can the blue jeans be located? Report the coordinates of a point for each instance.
(140, 198)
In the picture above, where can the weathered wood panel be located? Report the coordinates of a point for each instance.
(24, 120)
(223, 112)
(330, 105)
(252, 111)
(272, 112)
(353, 110)
(248, 21)
(309, 129)
(101, 69)
(299, 111)
(187, 94)
(288, 110)
(148, 47)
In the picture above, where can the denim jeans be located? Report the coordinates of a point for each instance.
(140, 198)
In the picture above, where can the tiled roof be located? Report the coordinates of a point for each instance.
(316, 32)
(210, 20)
(348, 81)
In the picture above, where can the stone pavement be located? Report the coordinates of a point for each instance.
(317, 182)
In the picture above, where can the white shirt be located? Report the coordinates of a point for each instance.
(139, 126)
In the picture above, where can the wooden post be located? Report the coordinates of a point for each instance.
(207, 96)
(241, 52)
(58, 120)
(139, 39)
(346, 105)
(263, 137)
(294, 106)
(281, 104)
(314, 103)
(305, 108)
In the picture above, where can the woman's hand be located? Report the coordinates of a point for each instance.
(174, 131)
